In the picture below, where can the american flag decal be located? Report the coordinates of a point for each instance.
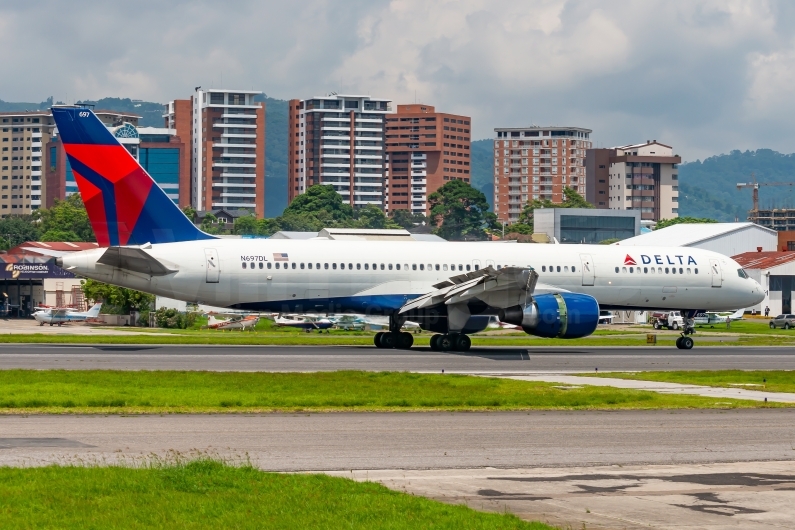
(281, 256)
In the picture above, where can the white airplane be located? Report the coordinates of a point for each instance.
(448, 288)
(58, 316)
(712, 317)
(241, 323)
(306, 322)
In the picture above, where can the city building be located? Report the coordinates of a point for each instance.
(23, 136)
(338, 140)
(775, 272)
(536, 163)
(586, 225)
(163, 154)
(424, 149)
(780, 219)
(728, 239)
(635, 177)
(225, 130)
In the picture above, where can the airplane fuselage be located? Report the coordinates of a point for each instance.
(379, 277)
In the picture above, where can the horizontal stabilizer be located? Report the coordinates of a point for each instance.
(135, 260)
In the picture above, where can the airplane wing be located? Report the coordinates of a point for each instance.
(136, 260)
(501, 288)
(60, 313)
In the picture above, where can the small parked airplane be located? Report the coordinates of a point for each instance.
(712, 317)
(304, 322)
(248, 321)
(58, 316)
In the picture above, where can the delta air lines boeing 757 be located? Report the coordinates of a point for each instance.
(451, 289)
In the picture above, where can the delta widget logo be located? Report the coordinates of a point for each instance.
(629, 260)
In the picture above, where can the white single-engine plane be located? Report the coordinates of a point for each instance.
(56, 315)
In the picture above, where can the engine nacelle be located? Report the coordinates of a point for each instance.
(563, 315)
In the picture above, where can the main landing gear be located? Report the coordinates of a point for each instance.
(451, 342)
(390, 340)
(685, 341)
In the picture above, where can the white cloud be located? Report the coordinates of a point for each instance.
(706, 76)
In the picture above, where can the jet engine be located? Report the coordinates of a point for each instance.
(563, 315)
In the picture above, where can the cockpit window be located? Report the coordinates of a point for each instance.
(741, 273)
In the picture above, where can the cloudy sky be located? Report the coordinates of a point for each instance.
(705, 76)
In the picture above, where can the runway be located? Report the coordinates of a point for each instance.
(324, 358)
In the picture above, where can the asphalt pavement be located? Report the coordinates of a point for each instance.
(325, 358)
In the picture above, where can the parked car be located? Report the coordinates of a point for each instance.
(783, 321)
(668, 320)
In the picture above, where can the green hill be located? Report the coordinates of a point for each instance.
(709, 188)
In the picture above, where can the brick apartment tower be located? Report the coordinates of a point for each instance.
(536, 163)
(337, 140)
(425, 149)
(226, 129)
(641, 177)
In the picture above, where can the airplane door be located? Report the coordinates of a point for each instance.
(489, 263)
(588, 275)
(212, 265)
(717, 279)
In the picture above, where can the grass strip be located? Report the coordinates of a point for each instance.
(266, 339)
(147, 392)
(767, 380)
(209, 494)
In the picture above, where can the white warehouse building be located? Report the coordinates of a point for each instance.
(729, 239)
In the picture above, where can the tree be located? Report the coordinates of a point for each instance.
(116, 300)
(459, 211)
(210, 224)
(246, 225)
(663, 223)
(67, 220)
(322, 202)
(371, 216)
(571, 199)
(4, 243)
(17, 229)
(407, 219)
(190, 213)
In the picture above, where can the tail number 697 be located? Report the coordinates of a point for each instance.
(83, 114)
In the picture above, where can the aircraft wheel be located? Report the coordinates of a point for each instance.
(687, 343)
(679, 342)
(405, 341)
(435, 342)
(445, 343)
(463, 343)
(388, 340)
(377, 339)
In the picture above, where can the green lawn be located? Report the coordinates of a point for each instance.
(131, 392)
(208, 494)
(770, 381)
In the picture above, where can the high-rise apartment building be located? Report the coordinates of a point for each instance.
(635, 177)
(226, 132)
(160, 152)
(537, 163)
(338, 140)
(424, 149)
(22, 137)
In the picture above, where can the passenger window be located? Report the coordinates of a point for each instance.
(680, 270)
(251, 265)
(544, 268)
(260, 265)
(382, 267)
(269, 265)
(460, 267)
(358, 266)
(623, 269)
(437, 266)
(572, 268)
(430, 267)
(293, 265)
(631, 270)
(566, 268)
(422, 267)
(244, 264)
(414, 266)
(309, 265)
(334, 266)
(499, 267)
(444, 267)
(659, 270)
(695, 270)
(616, 268)
(467, 267)
(477, 267)
(390, 266)
(688, 270)
(318, 266)
(645, 270)
(325, 266)
(350, 266)
(367, 266)
(666, 270)
(558, 268)
(302, 265)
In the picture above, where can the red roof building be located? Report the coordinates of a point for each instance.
(775, 271)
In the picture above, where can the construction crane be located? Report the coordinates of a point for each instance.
(754, 185)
